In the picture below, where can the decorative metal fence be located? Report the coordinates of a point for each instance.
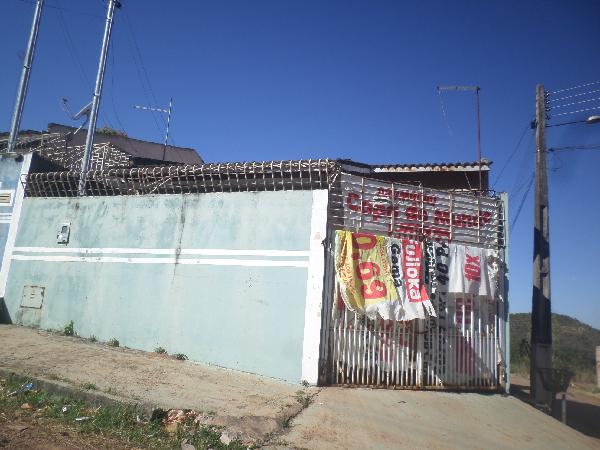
(463, 347)
(184, 179)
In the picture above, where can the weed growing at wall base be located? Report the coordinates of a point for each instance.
(113, 342)
(180, 356)
(69, 329)
(120, 422)
(160, 350)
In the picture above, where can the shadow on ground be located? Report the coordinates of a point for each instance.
(582, 411)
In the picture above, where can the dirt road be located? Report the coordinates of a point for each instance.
(337, 418)
(252, 405)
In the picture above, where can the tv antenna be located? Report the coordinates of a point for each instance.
(163, 111)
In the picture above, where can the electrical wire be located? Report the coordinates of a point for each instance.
(574, 147)
(594, 108)
(573, 96)
(49, 5)
(75, 58)
(592, 83)
(520, 208)
(576, 103)
(514, 152)
(524, 166)
(143, 75)
(444, 115)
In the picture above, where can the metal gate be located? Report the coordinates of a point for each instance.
(464, 347)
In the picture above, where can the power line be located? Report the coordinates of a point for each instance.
(524, 166)
(572, 96)
(49, 5)
(75, 57)
(444, 115)
(525, 195)
(594, 108)
(592, 83)
(514, 152)
(141, 71)
(574, 147)
(576, 103)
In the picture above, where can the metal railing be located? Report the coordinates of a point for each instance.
(185, 179)
(407, 211)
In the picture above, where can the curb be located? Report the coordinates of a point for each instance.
(67, 390)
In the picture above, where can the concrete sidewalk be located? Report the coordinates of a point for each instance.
(272, 411)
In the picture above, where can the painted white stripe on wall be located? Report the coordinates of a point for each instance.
(314, 288)
(198, 261)
(12, 231)
(165, 251)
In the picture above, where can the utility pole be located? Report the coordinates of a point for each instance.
(15, 123)
(89, 141)
(541, 314)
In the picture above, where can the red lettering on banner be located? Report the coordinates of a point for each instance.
(380, 210)
(441, 217)
(411, 262)
(366, 270)
(350, 202)
(472, 268)
(415, 213)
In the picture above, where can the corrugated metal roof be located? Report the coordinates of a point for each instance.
(433, 167)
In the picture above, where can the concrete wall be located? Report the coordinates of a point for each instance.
(11, 168)
(223, 278)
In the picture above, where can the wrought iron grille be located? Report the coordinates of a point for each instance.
(401, 210)
(185, 179)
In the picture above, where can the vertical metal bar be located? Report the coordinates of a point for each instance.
(168, 126)
(478, 137)
(89, 141)
(24, 82)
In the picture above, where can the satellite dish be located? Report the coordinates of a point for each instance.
(85, 111)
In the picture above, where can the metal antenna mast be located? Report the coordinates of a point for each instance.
(89, 141)
(164, 111)
(27, 63)
(476, 89)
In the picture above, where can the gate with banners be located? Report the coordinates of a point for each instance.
(464, 346)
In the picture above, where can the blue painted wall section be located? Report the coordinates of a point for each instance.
(220, 277)
(10, 169)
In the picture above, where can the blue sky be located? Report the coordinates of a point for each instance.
(268, 80)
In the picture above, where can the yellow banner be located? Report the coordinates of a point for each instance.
(363, 269)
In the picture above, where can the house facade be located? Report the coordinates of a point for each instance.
(237, 265)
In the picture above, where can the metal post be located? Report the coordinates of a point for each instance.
(27, 63)
(477, 89)
(564, 408)
(167, 133)
(89, 141)
(541, 314)
(598, 366)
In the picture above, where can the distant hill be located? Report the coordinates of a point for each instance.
(573, 345)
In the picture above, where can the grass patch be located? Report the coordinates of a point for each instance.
(120, 422)
(160, 350)
(89, 386)
(180, 356)
(113, 342)
(303, 398)
(69, 329)
(93, 338)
